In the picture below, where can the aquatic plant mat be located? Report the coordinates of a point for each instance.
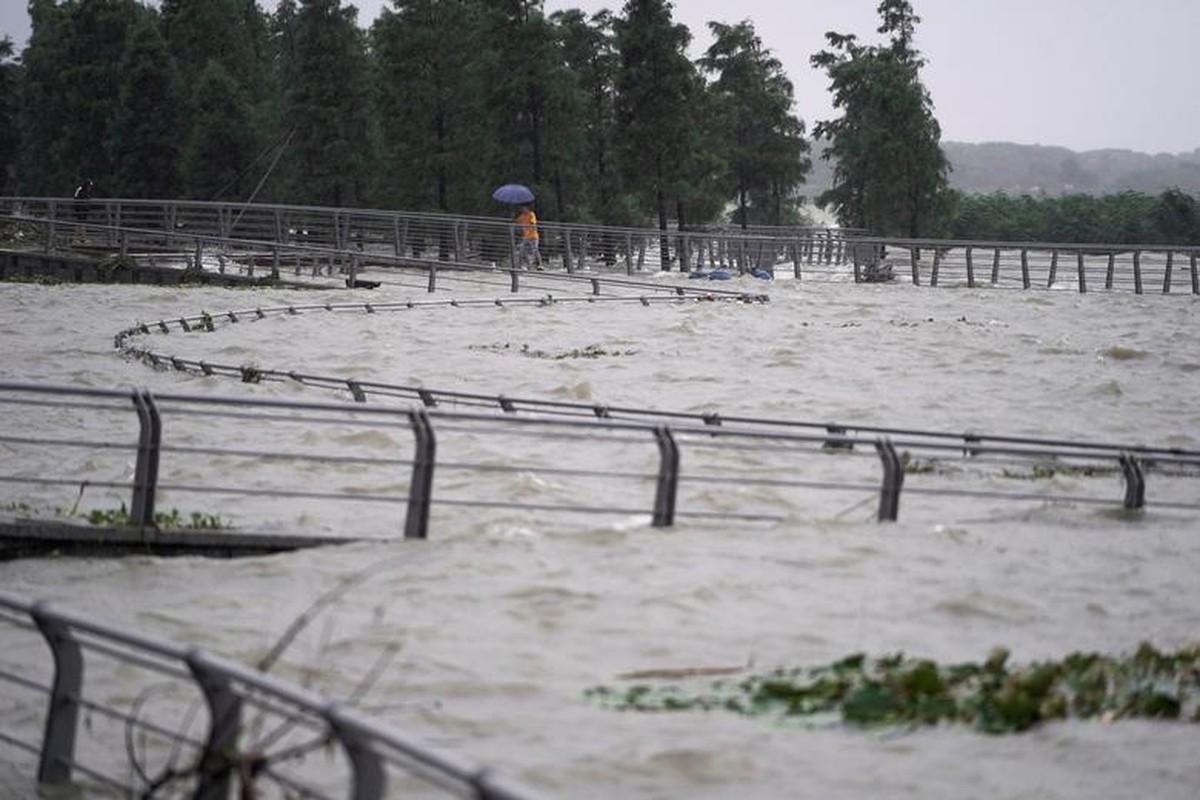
(894, 691)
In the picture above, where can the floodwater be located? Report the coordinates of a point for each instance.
(501, 622)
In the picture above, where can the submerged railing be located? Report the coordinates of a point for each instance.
(255, 728)
(230, 453)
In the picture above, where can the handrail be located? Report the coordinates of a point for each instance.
(696, 435)
(227, 688)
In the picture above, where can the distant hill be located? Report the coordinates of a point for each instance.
(1035, 169)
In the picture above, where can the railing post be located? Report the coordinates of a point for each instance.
(370, 778)
(937, 260)
(996, 266)
(145, 474)
(62, 713)
(893, 481)
(217, 761)
(1195, 275)
(1082, 274)
(1135, 482)
(1025, 267)
(432, 277)
(1053, 276)
(1108, 275)
(420, 490)
(1137, 271)
(668, 478)
(914, 257)
(1167, 272)
(970, 269)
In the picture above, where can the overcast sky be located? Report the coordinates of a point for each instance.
(1083, 74)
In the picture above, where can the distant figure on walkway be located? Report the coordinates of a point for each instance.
(529, 251)
(84, 192)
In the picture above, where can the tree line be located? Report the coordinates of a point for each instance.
(605, 116)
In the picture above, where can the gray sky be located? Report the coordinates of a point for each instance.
(1083, 74)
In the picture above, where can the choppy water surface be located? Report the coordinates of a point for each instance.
(503, 625)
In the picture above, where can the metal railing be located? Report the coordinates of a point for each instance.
(429, 236)
(309, 238)
(256, 728)
(1026, 265)
(585, 455)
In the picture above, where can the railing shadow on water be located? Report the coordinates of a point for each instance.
(198, 725)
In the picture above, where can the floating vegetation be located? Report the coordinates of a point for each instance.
(119, 517)
(993, 697)
(1045, 471)
(112, 263)
(591, 351)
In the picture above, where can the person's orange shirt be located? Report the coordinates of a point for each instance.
(527, 221)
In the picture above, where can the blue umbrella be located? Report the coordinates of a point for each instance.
(513, 193)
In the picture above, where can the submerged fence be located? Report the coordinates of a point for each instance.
(297, 467)
(198, 725)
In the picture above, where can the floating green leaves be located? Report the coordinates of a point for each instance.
(993, 697)
(118, 517)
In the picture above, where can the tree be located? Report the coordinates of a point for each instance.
(891, 173)
(761, 143)
(9, 130)
(429, 102)
(656, 88)
(70, 90)
(591, 60)
(144, 138)
(219, 149)
(326, 105)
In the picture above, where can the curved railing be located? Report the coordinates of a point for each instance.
(255, 728)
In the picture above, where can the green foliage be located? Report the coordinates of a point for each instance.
(762, 143)
(890, 174)
(993, 697)
(325, 104)
(656, 88)
(429, 102)
(1126, 218)
(9, 130)
(119, 517)
(604, 116)
(144, 138)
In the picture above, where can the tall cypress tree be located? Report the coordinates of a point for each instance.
(891, 173)
(761, 143)
(656, 86)
(326, 106)
(587, 177)
(430, 103)
(9, 131)
(219, 149)
(145, 135)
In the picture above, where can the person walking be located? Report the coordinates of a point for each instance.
(529, 251)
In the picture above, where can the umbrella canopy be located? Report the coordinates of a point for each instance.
(513, 193)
